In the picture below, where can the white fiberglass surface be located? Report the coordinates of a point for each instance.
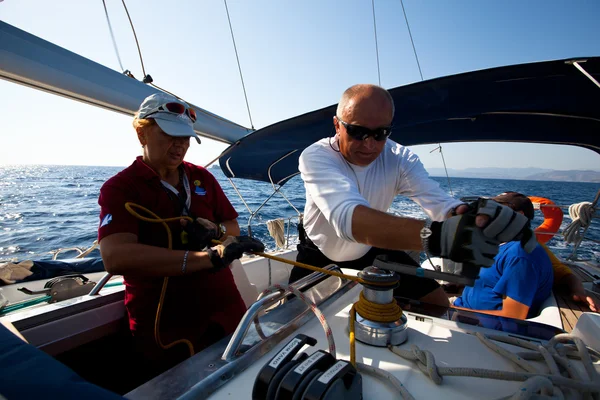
(450, 343)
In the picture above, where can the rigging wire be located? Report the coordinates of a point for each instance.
(147, 78)
(421, 73)
(445, 169)
(239, 66)
(376, 44)
(411, 39)
(112, 36)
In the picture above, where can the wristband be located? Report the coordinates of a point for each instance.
(184, 265)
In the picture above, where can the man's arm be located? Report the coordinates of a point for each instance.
(510, 309)
(386, 231)
(123, 255)
(575, 288)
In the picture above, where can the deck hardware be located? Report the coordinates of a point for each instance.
(64, 287)
(320, 376)
(271, 374)
(373, 332)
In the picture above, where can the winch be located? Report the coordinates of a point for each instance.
(379, 319)
(319, 376)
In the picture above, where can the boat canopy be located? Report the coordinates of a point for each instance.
(544, 102)
(31, 61)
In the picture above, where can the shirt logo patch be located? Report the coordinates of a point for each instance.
(199, 189)
(106, 220)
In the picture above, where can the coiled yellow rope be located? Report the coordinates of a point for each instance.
(390, 312)
(129, 207)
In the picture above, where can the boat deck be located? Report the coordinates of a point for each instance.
(570, 310)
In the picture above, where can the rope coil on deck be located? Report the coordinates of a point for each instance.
(534, 381)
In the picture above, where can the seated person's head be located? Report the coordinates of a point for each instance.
(517, 201)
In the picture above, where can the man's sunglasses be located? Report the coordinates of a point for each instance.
(173, 107)
(358, 132)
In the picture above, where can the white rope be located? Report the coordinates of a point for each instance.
(313, 307)
(581, 214)
(385, 377)
(276, 229)
(534, 384)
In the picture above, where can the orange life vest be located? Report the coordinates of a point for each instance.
(553, 217)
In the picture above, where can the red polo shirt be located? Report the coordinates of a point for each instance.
(193, 301)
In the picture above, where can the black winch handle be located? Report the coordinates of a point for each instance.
(266, 374)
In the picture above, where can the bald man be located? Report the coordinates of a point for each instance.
(351, 181)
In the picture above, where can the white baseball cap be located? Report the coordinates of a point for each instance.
(172, 115)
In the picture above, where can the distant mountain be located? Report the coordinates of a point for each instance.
(571, 176)
(533, 174)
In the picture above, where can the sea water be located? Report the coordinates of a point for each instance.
(46, 208)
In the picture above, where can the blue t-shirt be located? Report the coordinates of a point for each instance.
(526, 278)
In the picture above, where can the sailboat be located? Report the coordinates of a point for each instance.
(456, 354)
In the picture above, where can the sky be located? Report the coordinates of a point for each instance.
(296, 57)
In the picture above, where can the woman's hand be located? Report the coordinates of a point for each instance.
(200, 233)
(233, 248)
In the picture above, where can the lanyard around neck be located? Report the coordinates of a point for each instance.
(188, 198)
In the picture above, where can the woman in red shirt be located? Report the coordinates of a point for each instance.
(201, 303)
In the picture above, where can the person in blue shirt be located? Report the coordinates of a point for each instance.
(518, 282)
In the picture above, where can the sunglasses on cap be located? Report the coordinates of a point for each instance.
(174, 108)
(358, 132)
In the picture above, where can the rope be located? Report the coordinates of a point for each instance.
(238, 63)
(390, 312)
(375, 312)
(276, 229)
(313, 307)
(581, 214)
(376, 45)
(385, 377)
(129, 207)
(548, 384)
(114, 42)
(368, 369)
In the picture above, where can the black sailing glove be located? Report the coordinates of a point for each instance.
(459, 239)
(233, 248)
(199, 233)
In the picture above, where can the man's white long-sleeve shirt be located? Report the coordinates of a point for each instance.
(334, 187)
